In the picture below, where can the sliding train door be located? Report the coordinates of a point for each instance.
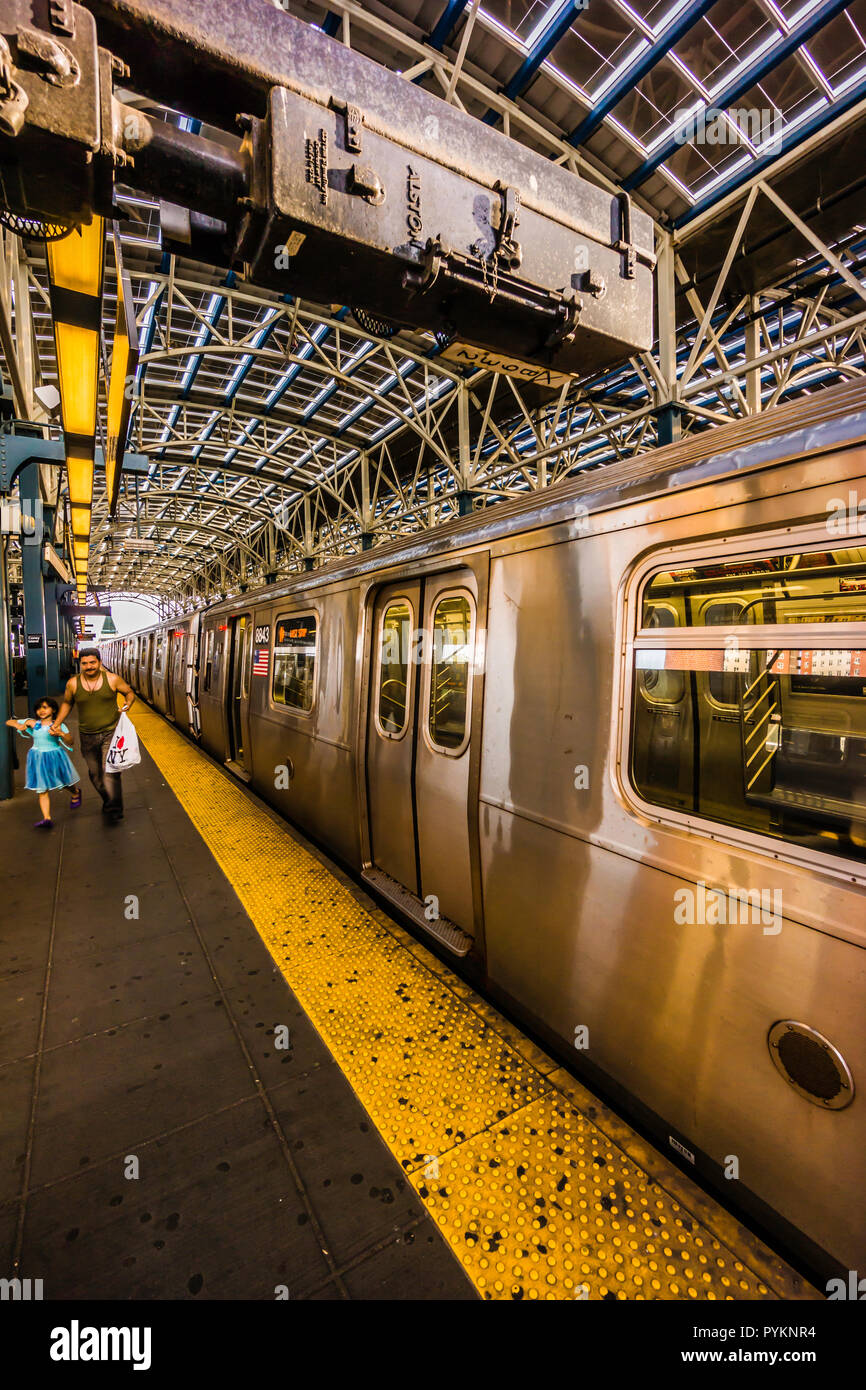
(391, 734)
(419, 744)
(238, 690)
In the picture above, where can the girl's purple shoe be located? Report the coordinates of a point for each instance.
(43, 824)
(75, 802)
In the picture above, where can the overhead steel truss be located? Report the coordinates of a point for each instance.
(279, 434)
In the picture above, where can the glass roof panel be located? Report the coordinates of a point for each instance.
(595, 45)
(520, 16)
(646, 110)
(728, 37)
(839, 47)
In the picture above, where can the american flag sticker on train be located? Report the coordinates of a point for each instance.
(260, 665)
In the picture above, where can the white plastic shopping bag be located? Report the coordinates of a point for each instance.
(123, 752)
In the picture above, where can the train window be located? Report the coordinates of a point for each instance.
(770, 733)
(159, 654)
(295, 661)
(220, 641)
(723, 684)
(800, 587)
(662, 687)
(208, 659)
(394, 641)
(450, 669)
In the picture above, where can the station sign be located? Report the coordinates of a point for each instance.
(483, 359)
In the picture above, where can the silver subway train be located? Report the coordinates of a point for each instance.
(607, 743)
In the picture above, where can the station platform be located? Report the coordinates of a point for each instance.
(227, 1074)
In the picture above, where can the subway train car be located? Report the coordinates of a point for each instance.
(607, 743)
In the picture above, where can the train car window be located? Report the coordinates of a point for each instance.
(773, 741)
(220, 641)
(159, 654)
(208, 660)
(295, 661)
(723, 685)
(450, 670)
(393, 708)
(662, 687)
(805, 587)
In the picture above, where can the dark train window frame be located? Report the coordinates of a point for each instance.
(280, 706)
(208, 644)
(411, 686)
(427, 682)
(723, 706)
(633, 591)
(647, 695)
(160, 663)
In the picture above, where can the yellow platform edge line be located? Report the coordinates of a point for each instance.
(535, 1197)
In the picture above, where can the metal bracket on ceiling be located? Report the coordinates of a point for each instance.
(508, 249)
(631, 254)
(61, 17)
(354, 123)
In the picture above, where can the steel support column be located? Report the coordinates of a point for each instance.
(53, 620)
(34, 588)
(752, 348)
(7, 704)
(668, 420)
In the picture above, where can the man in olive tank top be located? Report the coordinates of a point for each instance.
(94, 692)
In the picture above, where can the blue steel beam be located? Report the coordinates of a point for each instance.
(559, 25)
(447, 23)
(748, 79)
(638, 70)
(789, 142)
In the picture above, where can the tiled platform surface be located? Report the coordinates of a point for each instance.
(158, 1140)
(137, 1016)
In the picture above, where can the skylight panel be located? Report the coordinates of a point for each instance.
(751, 57)
(615, 73)
(855, 77)
(206, 434)
(491, 22)
(548, 15)
(246, 361)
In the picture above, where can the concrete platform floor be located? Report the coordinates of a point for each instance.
(154, 1142)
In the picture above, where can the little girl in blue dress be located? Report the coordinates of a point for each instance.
(49, 765)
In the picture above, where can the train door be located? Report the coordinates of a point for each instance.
(177, 680)
(171, 643)
(391, 734)
(238, 687)
(419, 739)
(190, 679)
(144, 666)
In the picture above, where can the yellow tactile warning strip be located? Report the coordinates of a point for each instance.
(535, 1199)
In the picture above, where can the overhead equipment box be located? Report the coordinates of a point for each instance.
(351, 185)
(516, 263)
